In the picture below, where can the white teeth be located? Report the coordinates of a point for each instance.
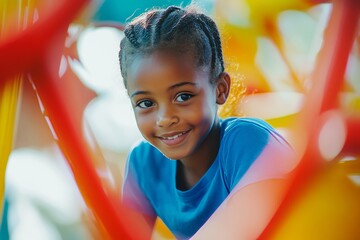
(173, 137)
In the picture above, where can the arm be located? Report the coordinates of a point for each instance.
(139, 211)
(248, 209)
(136, 224)
(246, 213)
(137, 215)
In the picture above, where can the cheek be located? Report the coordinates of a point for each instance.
(202, 113)
(144, 123)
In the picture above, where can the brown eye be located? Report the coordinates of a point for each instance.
(183, 97)
(145, 104)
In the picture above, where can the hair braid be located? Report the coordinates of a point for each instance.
(216, 37)
(130, 34)
(163, 17)
(207, 32)
(185, 30)
(203, 23)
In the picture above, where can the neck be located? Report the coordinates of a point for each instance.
(192, 168)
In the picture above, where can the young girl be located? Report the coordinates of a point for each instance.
(191, 161)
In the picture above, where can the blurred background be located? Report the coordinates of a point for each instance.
(270, 49)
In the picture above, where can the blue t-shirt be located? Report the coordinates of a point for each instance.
(150, 178)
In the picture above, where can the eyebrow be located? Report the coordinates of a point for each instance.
(181, 84)
(139, 92)
(170, 88)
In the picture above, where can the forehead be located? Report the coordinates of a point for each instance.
(164, 65)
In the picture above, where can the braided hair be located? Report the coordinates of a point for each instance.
(173, 28)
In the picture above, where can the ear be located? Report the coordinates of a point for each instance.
(222, 88)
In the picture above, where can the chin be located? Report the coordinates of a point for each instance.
(172, 156)
(172, 152)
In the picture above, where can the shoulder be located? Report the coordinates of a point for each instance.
(248, 141)
(141, 148)
(140, 154)
(230, 124)
(142, 163)
(250, 130)
(244, 136)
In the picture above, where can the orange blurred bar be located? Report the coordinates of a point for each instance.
(352, 142)
(327, 80)
(37, 51)
(22, 52)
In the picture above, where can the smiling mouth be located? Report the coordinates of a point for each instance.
(174, 139)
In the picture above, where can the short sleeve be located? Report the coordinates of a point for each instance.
(258, 152)
(132, 195)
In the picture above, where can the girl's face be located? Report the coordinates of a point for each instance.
(173, 101)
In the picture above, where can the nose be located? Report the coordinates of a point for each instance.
(166, 117)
